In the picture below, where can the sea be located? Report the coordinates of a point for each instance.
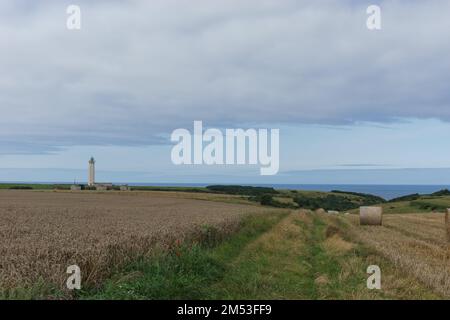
(385, 191)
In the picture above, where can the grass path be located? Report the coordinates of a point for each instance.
(306, 256)
(301, 255)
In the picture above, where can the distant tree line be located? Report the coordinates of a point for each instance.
(368, 198)
(328, 202)
(242, 190)
(443, 192)
(424, 205)
(416, 196)
(21, 188)
(409, 197)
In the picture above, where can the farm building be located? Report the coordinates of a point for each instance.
(103, 186)
(124, 187)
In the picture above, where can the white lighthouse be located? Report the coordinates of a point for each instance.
(91, 179)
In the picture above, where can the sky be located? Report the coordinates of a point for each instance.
(353, 105)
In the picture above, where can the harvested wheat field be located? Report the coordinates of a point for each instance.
(414, 243)
(41, 233)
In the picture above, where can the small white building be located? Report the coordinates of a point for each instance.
(124, 187)
(75, 187)
(103, 186)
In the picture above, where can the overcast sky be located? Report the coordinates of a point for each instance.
(344, 97)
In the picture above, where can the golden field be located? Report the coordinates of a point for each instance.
(43, 232)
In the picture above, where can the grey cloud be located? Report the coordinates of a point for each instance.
(139, 69)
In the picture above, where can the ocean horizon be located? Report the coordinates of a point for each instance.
(386, 191)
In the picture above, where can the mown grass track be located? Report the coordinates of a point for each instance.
(303, 255)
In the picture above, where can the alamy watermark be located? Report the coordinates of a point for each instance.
(73, 21)
(374, 280)
(374, 19)
(74, 280)
(236, 146)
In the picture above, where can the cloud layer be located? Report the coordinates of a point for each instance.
(139, 69)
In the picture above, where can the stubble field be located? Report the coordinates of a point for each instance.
(415, 243)
(42, 233)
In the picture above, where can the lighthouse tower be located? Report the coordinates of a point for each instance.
(91, 179)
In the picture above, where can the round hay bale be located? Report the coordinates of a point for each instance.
(370, 216)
